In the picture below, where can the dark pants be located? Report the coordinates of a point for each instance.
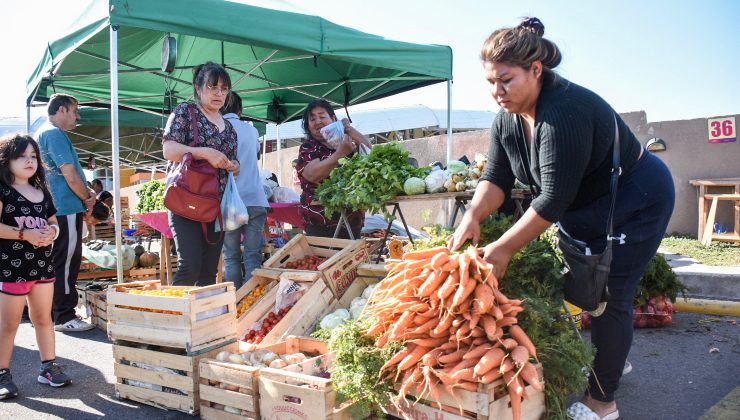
(198, 260)
(328, 232)
(66, 255)
(644, 204)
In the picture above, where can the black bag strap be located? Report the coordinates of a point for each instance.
(614, 177)
(525, 159)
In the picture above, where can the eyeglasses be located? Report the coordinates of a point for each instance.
(216, 89)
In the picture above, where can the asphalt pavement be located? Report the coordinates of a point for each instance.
(679, 372)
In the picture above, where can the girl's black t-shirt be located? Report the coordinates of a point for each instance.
(19, 260)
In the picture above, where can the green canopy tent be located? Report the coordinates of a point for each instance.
(278, 57)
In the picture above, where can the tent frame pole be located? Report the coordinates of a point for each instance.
(279, 156)
(115, 146)
(449, 120)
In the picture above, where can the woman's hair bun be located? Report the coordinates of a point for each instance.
(533, 25)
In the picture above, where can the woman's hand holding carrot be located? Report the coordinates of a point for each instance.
(499, 256)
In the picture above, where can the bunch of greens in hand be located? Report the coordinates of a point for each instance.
(151, 197)
(366, 183)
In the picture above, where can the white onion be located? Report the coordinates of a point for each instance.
(237, 359)
(223, 356)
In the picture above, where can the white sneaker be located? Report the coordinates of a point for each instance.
(74, 325)
(627, 367)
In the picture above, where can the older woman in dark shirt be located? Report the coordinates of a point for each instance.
(198, 259)
(316, 160)
(568, 133)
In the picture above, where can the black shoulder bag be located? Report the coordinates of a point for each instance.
(587, 276)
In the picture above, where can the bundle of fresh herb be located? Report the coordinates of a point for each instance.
(367, 182)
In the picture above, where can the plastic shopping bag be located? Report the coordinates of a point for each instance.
(233, 210)
(333, 133)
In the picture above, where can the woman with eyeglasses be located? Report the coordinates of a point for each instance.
(198, 259)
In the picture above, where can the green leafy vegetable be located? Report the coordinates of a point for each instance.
(357, 365)
(658, 280)
(367, 182)
(151, 197)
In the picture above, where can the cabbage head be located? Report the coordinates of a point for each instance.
(414, 186)
(455, 166)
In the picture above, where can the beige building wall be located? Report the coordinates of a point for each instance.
(688, 155)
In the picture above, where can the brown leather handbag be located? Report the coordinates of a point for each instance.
(192, 188)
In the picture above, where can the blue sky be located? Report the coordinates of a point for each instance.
(673, 59)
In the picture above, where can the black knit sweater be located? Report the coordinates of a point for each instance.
(571, 152)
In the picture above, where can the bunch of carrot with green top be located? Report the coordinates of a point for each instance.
(459, 330)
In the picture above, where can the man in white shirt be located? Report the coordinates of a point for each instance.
(252, 192)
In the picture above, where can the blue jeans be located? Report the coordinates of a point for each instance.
(252, 255)
(644, 203)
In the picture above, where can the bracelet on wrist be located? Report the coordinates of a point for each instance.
(56, 229)
(20, 234)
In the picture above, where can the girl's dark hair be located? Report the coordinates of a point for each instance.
(209, 73)
(316, 103)
(521, 46)
(12, 146)
(100, 211)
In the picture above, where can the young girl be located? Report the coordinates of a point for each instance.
(28, 227)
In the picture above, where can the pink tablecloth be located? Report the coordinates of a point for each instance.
(158, 221)
(286, 213)
(282, 212)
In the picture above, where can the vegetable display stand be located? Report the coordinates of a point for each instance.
(191, 318)
(342, 258)
(237, 386)
(316, 302)
(301, 392)
(489, 402)
(162, 377)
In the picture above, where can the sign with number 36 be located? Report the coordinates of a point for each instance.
(722, 130)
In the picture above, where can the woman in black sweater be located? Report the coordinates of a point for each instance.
(568, 132)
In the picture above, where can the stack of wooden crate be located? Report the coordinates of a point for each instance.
(217, 377)
(160, 339)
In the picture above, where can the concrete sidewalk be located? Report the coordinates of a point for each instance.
(706, 281)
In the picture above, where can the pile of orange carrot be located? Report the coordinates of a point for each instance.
(459, 330)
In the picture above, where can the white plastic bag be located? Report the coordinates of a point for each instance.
(333, 133)
(285, 195)
(435, 181)
(288, 293)
(233, 210)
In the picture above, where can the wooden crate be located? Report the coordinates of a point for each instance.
(488, 403)
(284, 394)
(173, 369)
(300, 320)
(242, 321)
(204, 317)
(338, 271)
(98, 306)
(246, 378)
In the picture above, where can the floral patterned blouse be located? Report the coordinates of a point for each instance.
(180, 129)
(310, 150)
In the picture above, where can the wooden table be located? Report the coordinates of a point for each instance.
(704, 201)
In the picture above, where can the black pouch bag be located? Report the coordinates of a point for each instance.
(587, 275)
